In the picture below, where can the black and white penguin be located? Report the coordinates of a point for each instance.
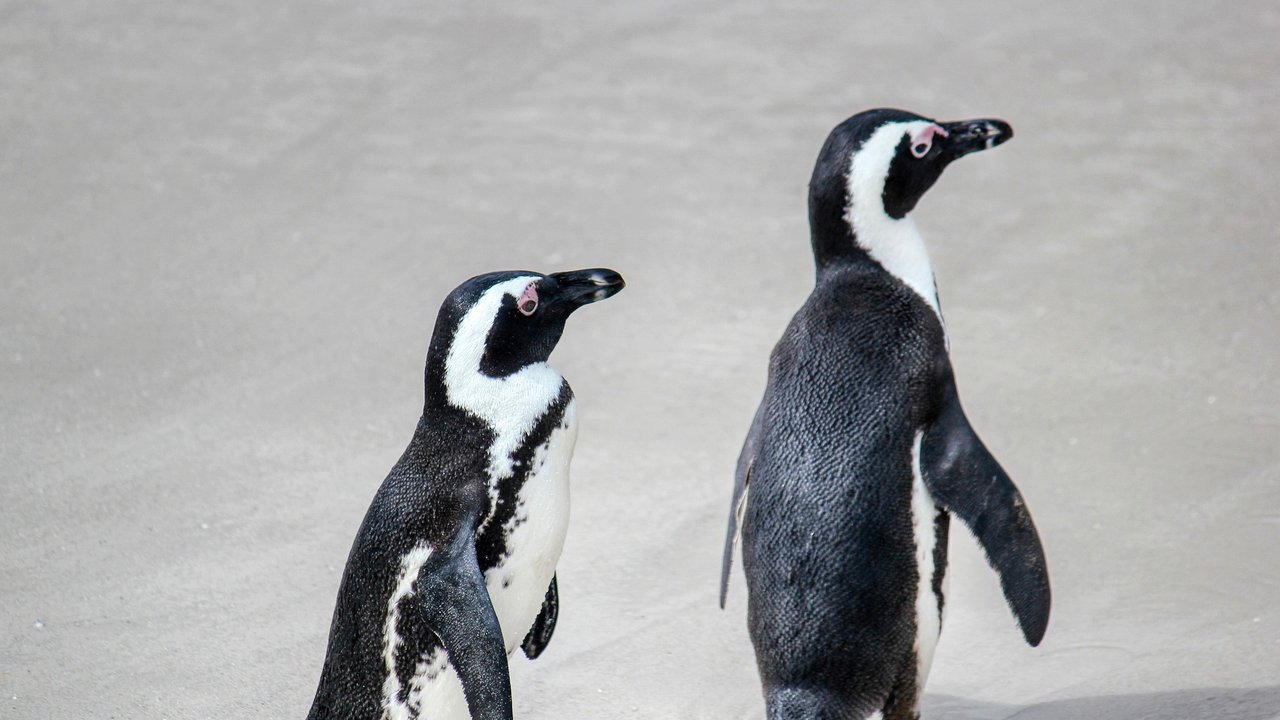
(454, 564)
(860, 451)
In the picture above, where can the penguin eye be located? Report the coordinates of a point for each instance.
(527, 303)
(922, 142)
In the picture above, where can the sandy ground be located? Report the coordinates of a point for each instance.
(225, 229)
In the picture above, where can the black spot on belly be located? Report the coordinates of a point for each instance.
(434, 666)
(941, 524)
(417, 642)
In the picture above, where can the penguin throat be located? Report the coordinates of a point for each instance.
(893, 243)
(899, 249)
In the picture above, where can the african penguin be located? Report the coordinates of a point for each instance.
(860, 452)
(454, 564)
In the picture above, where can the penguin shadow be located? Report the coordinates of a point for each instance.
(1259, 703)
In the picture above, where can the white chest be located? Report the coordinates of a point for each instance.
(518, 584)
(534, 534)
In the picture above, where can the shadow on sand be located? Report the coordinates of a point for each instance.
(1200, 704)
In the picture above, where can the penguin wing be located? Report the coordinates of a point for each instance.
(964, 478)
(544, 625)
(741, 482)
(455, 604)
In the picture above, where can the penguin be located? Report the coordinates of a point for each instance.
(454, 564)
(860, 452)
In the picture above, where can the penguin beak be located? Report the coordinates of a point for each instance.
(970, 136)
(583, 287)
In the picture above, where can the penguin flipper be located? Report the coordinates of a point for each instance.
(544, 625)
(963, 477)
(455, 604)
(741, 482)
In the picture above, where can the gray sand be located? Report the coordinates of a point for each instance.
(226, 229)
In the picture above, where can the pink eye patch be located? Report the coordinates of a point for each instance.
(528, 300)
(922, 141)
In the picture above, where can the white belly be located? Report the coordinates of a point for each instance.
(518, 584)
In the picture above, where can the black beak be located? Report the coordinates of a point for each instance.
(583, 287)
(970, 136)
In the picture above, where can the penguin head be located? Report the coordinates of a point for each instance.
(497, 324)
(875, 166)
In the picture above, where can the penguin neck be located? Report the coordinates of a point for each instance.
(458, 383)
(843, 237)
(832, 237)
(893, 246)
(896, 246)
